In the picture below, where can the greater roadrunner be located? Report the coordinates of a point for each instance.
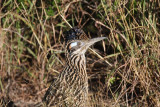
(71, 87)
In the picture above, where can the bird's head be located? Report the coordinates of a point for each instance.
(77, 42)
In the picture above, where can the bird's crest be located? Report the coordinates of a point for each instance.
(75, 34)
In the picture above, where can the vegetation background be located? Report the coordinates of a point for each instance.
(123, 70)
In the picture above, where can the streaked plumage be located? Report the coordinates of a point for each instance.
(71, 87)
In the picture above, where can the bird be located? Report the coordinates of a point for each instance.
(70, 89)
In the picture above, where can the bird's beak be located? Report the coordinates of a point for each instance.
(94, 40)
(90, 42)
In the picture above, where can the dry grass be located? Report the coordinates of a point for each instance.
(31, 49)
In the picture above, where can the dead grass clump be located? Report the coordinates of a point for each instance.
(124, 70)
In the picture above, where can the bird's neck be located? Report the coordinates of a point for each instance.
(78, 62)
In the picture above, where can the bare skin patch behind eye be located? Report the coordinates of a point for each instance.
(72, 45)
